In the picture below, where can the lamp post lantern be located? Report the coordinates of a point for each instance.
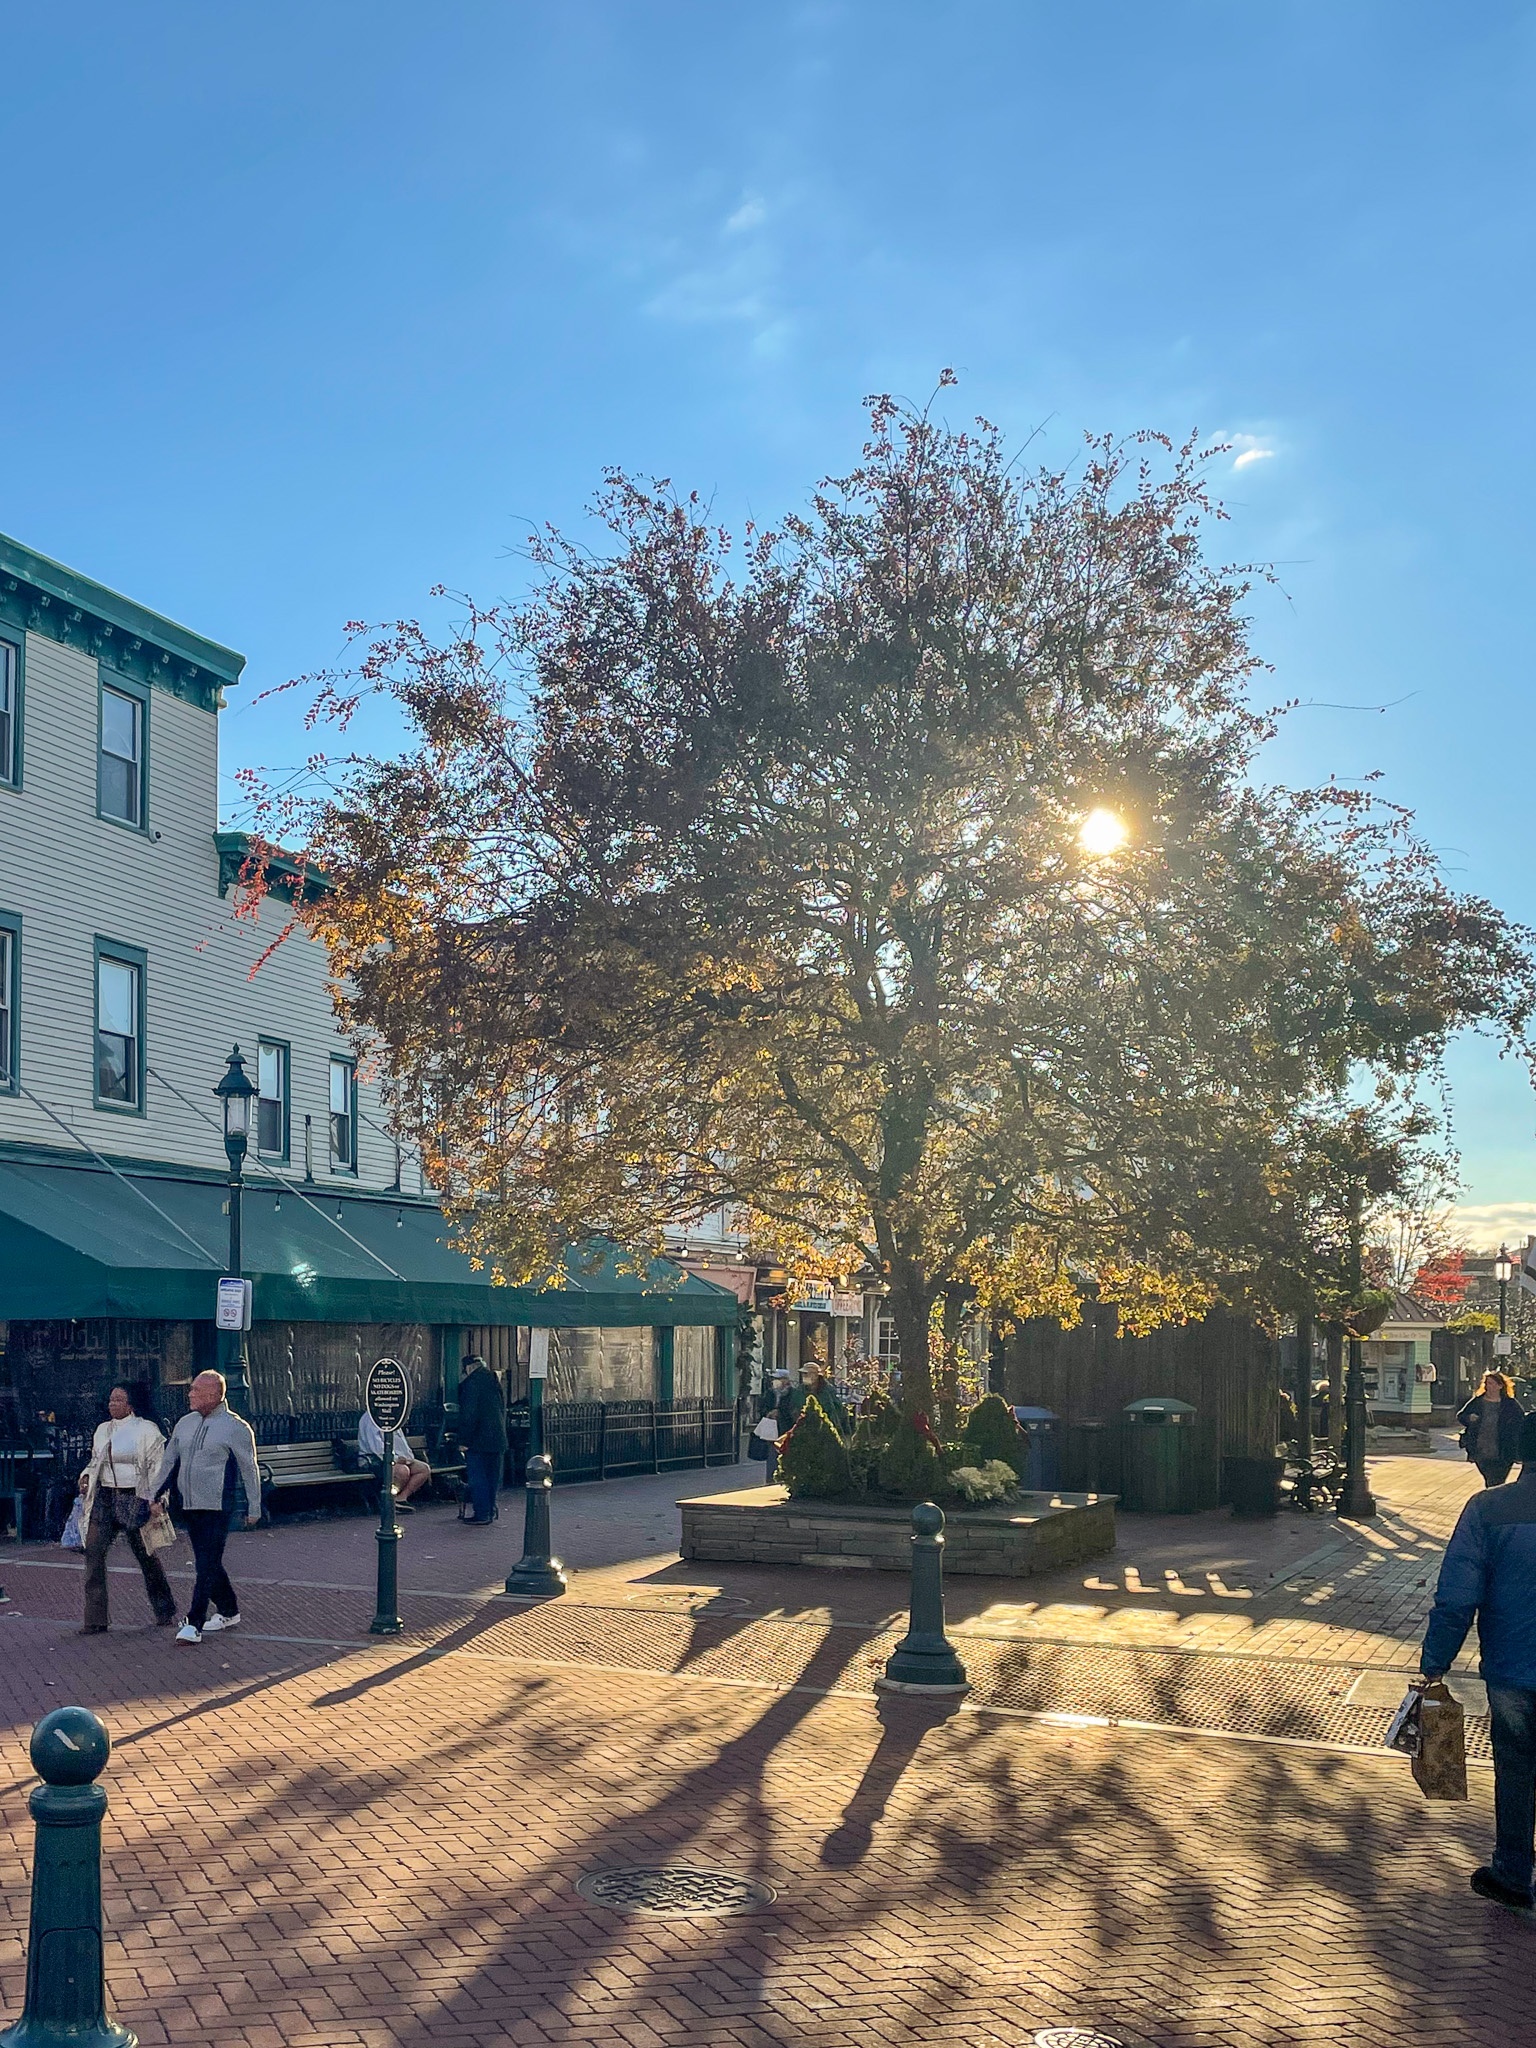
(234, 1091)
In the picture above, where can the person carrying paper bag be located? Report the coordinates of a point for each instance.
(1489, 1572)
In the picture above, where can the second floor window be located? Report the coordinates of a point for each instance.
(10, 692)
(272, 1099)
(122, 756)
(119, 1031)
(343, 1117)
(8, 995)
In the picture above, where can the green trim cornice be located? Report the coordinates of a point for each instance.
(44, 597)
(281, 873)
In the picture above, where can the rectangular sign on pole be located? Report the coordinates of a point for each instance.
(538, 1354)
(232, 1311)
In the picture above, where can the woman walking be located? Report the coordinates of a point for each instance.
(1490, 1433)
(117, 1486)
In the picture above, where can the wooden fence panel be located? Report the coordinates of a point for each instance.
(1225, 1366)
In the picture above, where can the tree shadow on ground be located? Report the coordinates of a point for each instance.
(904, 1722)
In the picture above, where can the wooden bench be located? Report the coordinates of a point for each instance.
(283, 1466)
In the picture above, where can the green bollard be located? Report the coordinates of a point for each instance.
(537, 1575)
(386, 1620)
(924, 1660)
(66, 1993)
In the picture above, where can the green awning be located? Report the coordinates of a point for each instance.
(78, 1241)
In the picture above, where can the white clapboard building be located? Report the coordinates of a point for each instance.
(126, 977)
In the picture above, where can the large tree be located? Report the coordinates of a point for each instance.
(897, 877)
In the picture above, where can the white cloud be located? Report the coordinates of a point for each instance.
(1484, 1226)
(750, 214)
(1250, 455)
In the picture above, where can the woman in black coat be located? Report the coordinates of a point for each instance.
(1490, 1433)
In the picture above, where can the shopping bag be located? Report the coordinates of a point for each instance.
(1440, 1767)
(158, 1533)
(74, 1529)
(1403, 1730)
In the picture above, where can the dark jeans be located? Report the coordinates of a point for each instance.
(209, 1529)
(1496, 1472)
(482, 1471)
(1513, 1709)
(99, 1538)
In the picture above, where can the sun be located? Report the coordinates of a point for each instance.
(1102, 832)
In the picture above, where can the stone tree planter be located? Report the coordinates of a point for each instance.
(761, 1525)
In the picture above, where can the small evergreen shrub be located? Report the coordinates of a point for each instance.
(910, 1466)
(813, 1459)
(864, 1447)
(880, 1413)
(992, 1433)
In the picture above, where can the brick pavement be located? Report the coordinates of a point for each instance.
(338, 1843)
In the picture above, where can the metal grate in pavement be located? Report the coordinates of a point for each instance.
(669, 1892)
(1073, 2037)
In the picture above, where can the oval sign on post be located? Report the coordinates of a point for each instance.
(387, 1395)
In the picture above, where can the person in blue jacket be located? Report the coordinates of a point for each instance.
(1489, 1570)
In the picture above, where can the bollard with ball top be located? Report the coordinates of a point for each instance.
(924, 1661)
(537, 1575)
(66, 1992)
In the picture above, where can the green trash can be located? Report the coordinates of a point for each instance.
(1158, 1456)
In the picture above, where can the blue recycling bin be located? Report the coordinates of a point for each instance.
(1043, 1428)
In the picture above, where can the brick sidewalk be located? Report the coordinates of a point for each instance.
(317, 1839)
(384, 1852)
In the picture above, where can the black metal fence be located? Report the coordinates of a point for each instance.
(614, 1439)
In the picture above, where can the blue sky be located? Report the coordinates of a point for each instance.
(312, 307)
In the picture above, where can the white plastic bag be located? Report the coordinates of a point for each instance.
(74, 1529)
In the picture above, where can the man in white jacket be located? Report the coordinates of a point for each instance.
(207, 1448)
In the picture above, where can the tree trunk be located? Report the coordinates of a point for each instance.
(947, 1418)
(911, 1306)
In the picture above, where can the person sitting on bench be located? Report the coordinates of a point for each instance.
(411, 1472)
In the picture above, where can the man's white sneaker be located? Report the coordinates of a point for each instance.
(188, 1634)
(215, 1622)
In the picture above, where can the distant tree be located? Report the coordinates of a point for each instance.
(899, 879)
(1442, 1282)
(1412, 1227)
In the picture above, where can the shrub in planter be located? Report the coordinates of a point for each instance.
(864, 1447)
(979, 1484)
(911, 1466)
(813, 1459)
(880, 1415)
(992, 1433)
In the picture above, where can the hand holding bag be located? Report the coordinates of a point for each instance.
(158, 1533)
(73, 1537)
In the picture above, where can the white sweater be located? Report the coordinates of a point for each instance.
(136, 1441)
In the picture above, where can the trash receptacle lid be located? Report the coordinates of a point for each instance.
(1035, 1415)
(1152, 1407)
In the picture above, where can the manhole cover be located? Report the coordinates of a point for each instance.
(1073, 2037)
(670, 1893)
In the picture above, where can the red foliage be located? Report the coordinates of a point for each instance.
(1442, 1282)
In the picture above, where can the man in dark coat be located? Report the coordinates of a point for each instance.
(1489, 1570)
(482, 1433)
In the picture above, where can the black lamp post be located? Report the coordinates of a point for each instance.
(234, 1091)
(1356, 1500)
(1503, 1268)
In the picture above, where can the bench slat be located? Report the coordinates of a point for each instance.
(314, 1464)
